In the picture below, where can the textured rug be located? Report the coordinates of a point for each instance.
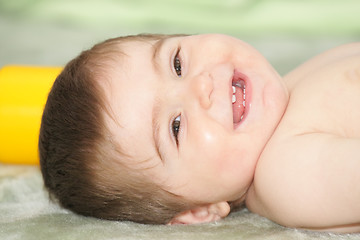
(27, 213)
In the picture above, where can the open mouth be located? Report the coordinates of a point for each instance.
(238, 97)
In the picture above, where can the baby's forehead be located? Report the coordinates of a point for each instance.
(130, 89)
(134, 48)
(131, 60)
(143, 41)
(129, 98)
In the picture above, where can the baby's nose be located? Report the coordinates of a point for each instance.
(202, 86)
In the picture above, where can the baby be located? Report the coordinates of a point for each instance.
(183, 129)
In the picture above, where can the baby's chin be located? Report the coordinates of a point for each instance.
(238, 202)
(239, 193)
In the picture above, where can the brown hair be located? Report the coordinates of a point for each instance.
(81, 165)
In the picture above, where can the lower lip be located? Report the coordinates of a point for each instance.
(239, 75)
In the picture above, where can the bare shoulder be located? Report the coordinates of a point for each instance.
(305, 176)
(324, 59)
(309, 181)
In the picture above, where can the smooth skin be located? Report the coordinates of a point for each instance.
(308, 174)
(300, 136)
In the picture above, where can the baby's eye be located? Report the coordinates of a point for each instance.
(175, 128)
(177, 63)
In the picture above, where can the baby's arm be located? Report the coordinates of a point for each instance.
(313, 183)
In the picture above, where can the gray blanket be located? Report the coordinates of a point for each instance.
(27, 213)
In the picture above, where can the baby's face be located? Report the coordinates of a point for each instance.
(181, 122)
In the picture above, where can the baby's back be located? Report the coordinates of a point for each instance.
(309, 173)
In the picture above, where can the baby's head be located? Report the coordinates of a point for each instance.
(159, 129)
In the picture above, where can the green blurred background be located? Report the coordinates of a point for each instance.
(51, 32)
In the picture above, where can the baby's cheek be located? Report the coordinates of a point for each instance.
(226, 162)
(208, 148)
(237, 162)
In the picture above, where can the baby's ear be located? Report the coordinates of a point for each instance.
(202, 214)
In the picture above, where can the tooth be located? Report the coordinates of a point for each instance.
(234, 89)
(233, 98)
(244, 103)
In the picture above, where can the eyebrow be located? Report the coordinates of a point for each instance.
(157, 106)
(156, 52)
(156, 129)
